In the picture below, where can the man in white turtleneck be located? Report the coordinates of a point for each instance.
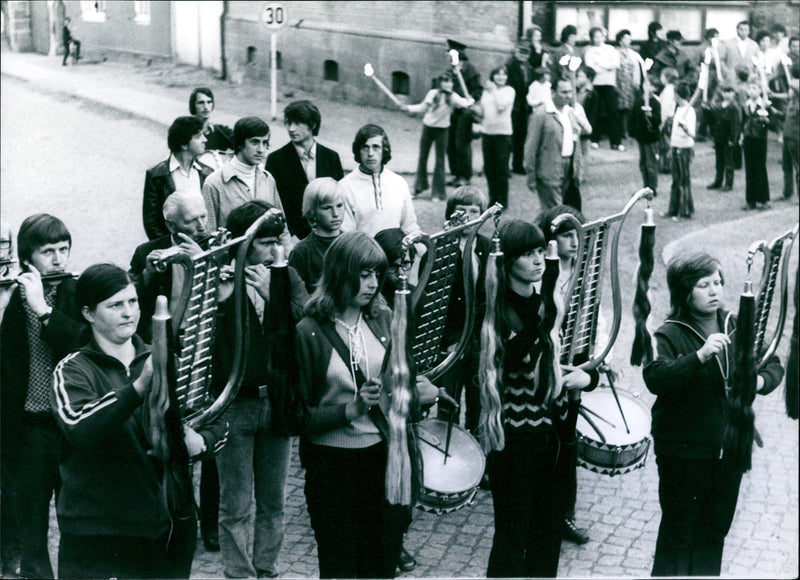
(243, 178)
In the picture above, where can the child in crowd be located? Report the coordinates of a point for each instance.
(684, 125)
(645, 128)
(539, 89)
(754, 146)
(726, 130)
(437, 105)
(667, 97)
(323, 209)
(459, 378)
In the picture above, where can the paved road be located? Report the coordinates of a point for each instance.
(88, 170)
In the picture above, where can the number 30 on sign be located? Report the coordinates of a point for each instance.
(274, 15)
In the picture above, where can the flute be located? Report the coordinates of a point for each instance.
(47, 278)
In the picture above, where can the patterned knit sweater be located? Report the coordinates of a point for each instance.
(524, 407)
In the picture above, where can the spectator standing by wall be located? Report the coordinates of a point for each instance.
(655, 41)
(629, 76)
(569, 35)
(604, 59)
(497, 101)
(520, 75)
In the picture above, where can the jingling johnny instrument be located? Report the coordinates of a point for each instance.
(452, 460)
(615, 443)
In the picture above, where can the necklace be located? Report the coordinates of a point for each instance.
(358, 348)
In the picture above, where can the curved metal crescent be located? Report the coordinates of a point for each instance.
(582, 229)
(777, 255)
(430, 242)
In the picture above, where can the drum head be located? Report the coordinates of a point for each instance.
(465, 463)
(601, 407)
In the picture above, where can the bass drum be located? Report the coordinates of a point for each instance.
(449, 484)
(605, 444)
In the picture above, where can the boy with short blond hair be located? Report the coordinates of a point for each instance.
(323, 209)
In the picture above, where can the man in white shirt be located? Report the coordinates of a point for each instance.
(550, 148)
(377, 198)
(181, 170)
(739, 50)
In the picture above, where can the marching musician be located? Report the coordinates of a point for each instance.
(698, 489)
(180, 170)
(528, 512)
(40, 325)
(185, 217)
(340, 350)
(255, 461)
(566, 238)
(117, 516)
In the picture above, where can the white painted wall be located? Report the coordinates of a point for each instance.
(197, 33)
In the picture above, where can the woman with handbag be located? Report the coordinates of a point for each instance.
(340, 348)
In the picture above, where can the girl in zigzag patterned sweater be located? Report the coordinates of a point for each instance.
(522, 418)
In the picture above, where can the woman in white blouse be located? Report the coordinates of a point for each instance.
(497, 101)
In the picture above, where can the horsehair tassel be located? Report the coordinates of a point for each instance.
(157, 398)
(642, 350)
(737, 441)
(490, 370)
(549, 369)
(791, 390)
(398, 464)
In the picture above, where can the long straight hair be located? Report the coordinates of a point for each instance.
(348, 255)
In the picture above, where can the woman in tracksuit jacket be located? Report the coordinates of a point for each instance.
(697, 488)
(112, 509)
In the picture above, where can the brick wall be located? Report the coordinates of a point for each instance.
(393, 36)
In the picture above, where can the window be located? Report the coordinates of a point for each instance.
(251, 55)
(93, 10)
(331, 70)
(142, 10)
(400, 83)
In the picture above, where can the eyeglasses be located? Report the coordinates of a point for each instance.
(404, 265)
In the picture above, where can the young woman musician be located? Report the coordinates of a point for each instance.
(523, 467)
(113, 514)
(697, 488)
(340, 350)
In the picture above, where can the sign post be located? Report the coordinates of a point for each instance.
(274, 17)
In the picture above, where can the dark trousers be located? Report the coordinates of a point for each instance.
(77, 54)
(519, 127)
(462, 376)
(168, 556)
(38, 481)
(10, 515)
(608, 119)
(527, 513)
(359, 535)
(755, 170)
(568, 461)
(791, 170)
(723, 153)
(648, 164)
(698, 500)
(496, 151)
(459, 145)
(209, 496)
(431, 135)
(664, 155)
(572, 190)
(680, 199)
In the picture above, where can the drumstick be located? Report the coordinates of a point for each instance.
(449, 435)
(616, 398)
(599, 416)
(582, 411)
(432, 444)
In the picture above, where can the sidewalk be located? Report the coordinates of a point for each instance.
(157, 90)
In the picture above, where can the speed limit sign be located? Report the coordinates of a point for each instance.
(274, 15)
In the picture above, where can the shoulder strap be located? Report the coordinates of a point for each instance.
(375, 412)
